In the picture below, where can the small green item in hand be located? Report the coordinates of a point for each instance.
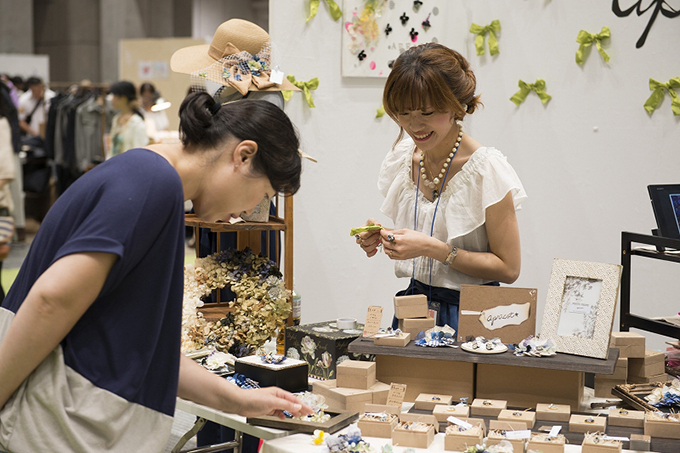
(369, 227)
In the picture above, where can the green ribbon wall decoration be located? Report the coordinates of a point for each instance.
(526, 88)
(586, 40)
(306, 88)
(657, 95)
(334, 9)
(481, 32)
(380, 112)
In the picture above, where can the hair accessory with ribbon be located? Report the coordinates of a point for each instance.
(586, 40)
(657, 96)
(481, 32)
(526, 88)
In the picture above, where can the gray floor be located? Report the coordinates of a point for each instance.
(183, 422)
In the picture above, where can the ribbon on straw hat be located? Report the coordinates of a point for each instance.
(238, 56)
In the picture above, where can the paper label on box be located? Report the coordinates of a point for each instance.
(276, 76)
(459, 422)
(373, 319)
(505, 315)
(523, 434)
(555, 430)
(396, 395)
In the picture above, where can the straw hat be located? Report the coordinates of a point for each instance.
(233, 41)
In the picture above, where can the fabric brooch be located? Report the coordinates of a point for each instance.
(667, 396)
(348, 443)
(534, 347)
(437, 337)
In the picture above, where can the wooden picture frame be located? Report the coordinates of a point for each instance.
(580, 306)
(338, 420)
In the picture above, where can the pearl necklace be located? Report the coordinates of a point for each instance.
(433, 184)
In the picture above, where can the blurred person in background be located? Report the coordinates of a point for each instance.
(128, 129)
(156, 120)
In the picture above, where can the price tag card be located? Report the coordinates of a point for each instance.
(373, 320)
(522, 434)
(276, 76)
(555, 430)
(396, 395)
(459, 422)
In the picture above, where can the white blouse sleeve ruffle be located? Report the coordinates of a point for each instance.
(485, 180)
(394, 181)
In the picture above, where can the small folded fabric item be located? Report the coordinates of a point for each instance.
(6, 229)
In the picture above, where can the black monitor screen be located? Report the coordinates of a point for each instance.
(666, 203)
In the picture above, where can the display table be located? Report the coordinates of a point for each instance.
(521, 381)
(233, 421)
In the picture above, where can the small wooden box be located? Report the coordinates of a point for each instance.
(502, 425)
(526, 417)
(422, 418)
(414, 306)
(374, 428)
(604, 386)
(355, 374)
(663, 377)
(496, 437)
(613, 446)
(553, 412)
(652, 364)
(341, 398)
(630, 344)
(620, 371)
(427, 401)
(380, 392)
(628, 418)
(578, 424)
(667, 429)
(460, 441)
(540, 442)
(640, 442)
(442, 412)
(414, 439)
(401, 340)
(488, 408)
(416, 325)
(477, 422)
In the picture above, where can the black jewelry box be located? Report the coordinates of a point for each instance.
(291, 374)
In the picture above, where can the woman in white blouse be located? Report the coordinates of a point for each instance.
(452, 200)
(128, 129)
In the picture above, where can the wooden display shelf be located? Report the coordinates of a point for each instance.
(564, 362)
(275, 223)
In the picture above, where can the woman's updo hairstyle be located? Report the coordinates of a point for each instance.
(204, 124)
(430, 75)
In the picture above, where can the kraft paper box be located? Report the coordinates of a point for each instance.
(665, 428)
(502, 425)
(289, 375)
(630, 344)
(423, 418)
(603, 386)
(414, 439)
(496, 437)
(652, 364)
(416, 325)
(624, 417)
(460, 440)
(640, 442)
(489, 408)
(442, 412)
(578, 424)
(477, 422)
(322, 345)
(553, 412)
(380, 392)
(342, 399)
(540, 442)
(401, 341)
(526, 417)
(427, 401)
(414, 306)
(383, 429)
(355, 374)
(495, 311)
(589, 446)
(620, 371)
(663, 377)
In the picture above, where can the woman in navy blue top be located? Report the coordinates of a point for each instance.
(90, 331)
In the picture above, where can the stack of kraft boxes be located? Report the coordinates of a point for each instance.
(413, 315)
(355, 387)
(635, 365)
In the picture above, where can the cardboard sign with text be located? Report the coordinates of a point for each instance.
(497, 311)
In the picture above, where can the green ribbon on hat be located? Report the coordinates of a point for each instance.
(481, 32)
(526, 88)
(380, 112)
(336, 12)
(586, 40)
(657, 96)
(306, 88)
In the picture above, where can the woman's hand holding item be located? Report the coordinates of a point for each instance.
(369, 240)
(406, 244)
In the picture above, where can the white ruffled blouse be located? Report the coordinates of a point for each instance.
(484, 180)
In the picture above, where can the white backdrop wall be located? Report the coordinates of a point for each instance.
(585, 158)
